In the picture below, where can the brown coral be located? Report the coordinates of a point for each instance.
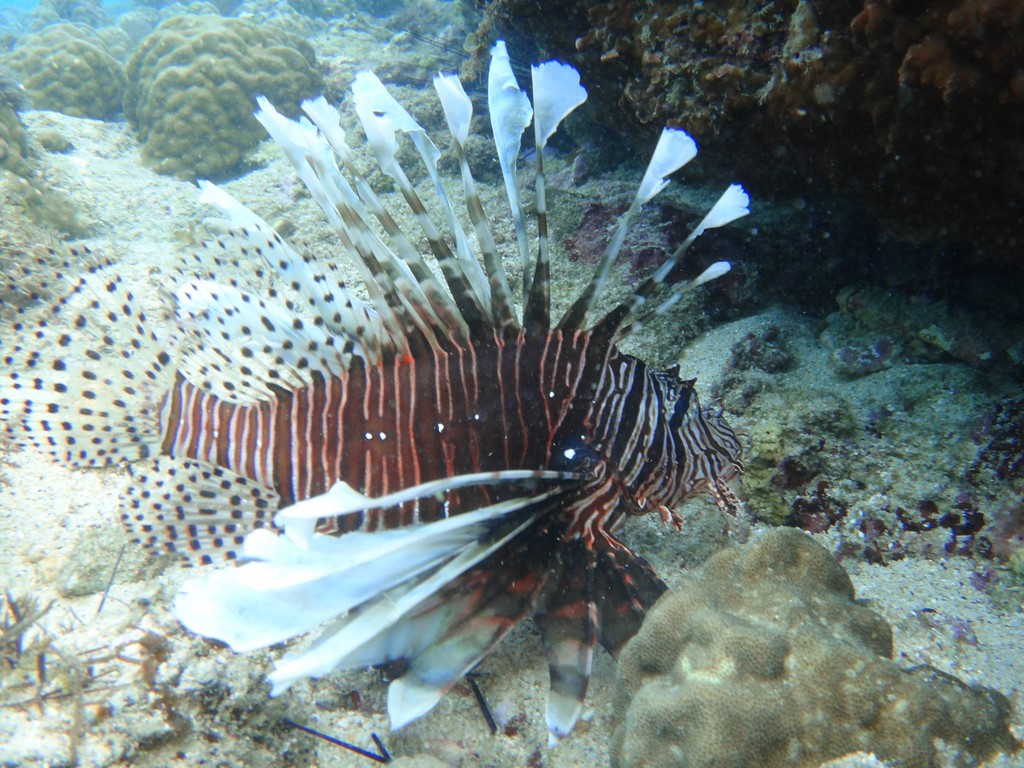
(765, 658)
(67, 68)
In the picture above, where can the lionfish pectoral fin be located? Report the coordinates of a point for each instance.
(434, 671)
(289, 584)
(405, 623)
(206, 522)
(568, 625)
(342, 499)
(625, 587)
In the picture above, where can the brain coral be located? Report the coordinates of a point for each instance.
(192, 89)
(67, 68)
(766, 659)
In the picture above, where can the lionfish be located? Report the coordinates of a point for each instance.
(413, 472)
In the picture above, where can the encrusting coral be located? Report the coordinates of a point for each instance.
(193, 84)
(67, 68)
(765, 658)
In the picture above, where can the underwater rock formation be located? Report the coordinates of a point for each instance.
(193, 83)
(898, 103)
(67, 68)
(765, 658)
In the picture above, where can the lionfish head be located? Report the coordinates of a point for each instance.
(714, 451)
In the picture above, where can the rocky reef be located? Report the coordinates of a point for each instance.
(899, 104)
(766, 658)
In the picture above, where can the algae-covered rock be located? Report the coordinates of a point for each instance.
(193, 84)
(765, 658)
(67, 68)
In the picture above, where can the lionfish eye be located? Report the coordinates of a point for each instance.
(574, 455)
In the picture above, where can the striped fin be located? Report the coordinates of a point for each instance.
(76, 392)
(291, 584)
(595, 594)
(674, 150)
(556, 93)
(194, 509)
(630, 316)
(439, 595)
(568, 625)
(326, 118)
(510, 112)
(625, 586)
(458, 111)
(394, 292)
(380, 115)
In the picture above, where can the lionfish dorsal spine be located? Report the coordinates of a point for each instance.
(458, 112)
(632, 314)
(396, 289)
(556, 93)
(381, 115)
(675, 149)
(510, 112)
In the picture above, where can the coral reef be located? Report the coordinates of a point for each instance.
(898, 103)
(765, 658)
(89, 12)
(67, 68)
(192, 87)
(894, 325)
(13, 140)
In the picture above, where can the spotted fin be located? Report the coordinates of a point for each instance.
(240, 345)
(74, 391)
(194, 509)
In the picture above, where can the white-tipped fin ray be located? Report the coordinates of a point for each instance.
(510, 114)
(675, 149)
(556, 93)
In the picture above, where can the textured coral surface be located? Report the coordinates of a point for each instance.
(916, 107)
(193, 84)
(67, 68)
(766, 659)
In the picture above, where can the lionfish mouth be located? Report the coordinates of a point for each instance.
(413, 472)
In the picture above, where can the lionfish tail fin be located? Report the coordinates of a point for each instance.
(73, 392)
